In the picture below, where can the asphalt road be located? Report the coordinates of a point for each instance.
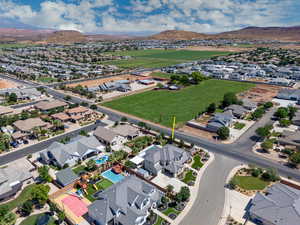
(209, 204)
(241, 150)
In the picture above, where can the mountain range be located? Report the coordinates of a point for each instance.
(67, 36)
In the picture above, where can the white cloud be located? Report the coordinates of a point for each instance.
(153, 15)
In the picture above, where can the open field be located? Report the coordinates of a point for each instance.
(231, 49)
(15, 45)
(90, 83)
(7, 84)
(155, 58)
(47, 79)
(161, 105)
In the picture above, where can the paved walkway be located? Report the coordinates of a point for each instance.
(208, 206)
(163, 216)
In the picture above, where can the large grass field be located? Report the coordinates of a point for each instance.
(161, 105)
(154, 58)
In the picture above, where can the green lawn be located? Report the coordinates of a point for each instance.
(101, 185)
(197, 164)
(32, 220)
(160, 74)
(79, 169)
(23, 197)
(250, 183)
(239, 126)
(154, 58)
(160, 106)
(188, 177)
(170, 210)
(47, 79)
(159, 220)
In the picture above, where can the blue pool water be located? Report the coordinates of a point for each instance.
(102, 160)
(113, 177)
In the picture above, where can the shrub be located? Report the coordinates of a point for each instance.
(223, 133)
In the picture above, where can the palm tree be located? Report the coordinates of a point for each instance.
(6, 139)
(57, 124)
(36, 131)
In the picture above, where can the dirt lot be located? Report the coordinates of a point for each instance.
(7, 84)
(221, 49)
(261, 93)
(198, 132)
(100, 81)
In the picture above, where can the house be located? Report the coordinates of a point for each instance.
(106, 136)
(289, 94)
(68, 154)
(290, 138)
(66, 176)
(27, 126)
(248, 104)
(126, 131)
(238, 110)
(279, 206)
(13, 176)
(79, 113)
(168, 159)
(46, 106)
(63, 117)
(219, 120)
(126, 203)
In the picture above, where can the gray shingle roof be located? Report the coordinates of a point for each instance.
(66, 176)
(125, 197)
(280, 206)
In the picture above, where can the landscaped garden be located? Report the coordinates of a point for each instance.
(140, 143)
(239, 126)
(189, 177)
(250, 180)
(156, 58)
(160, 106)
(197, 164)
(79, 169)
(101, 185)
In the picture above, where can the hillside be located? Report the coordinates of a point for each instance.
(65, 37)
(12, 34)
(267, 33)
(178, 35)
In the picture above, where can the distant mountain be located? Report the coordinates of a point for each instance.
(178, 35)
(270, 33)
(12, 34)
(65, 37)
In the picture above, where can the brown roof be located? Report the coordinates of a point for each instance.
(18, 135)
(60, 116)
(79, 109)
(29, 124)
(77, 117)
(47, 105)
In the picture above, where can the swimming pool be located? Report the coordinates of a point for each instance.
(113, 177)
(102, 160)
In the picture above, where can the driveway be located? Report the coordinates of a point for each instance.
(209, 204)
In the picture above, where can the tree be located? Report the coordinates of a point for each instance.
(170, 188)
(39, 193)
(61, 216)
(24, 115)
(57, 124)
(124, 119)
(84, 133)
(211, 108)
(3, 210)
(223, 133)
(229, 99)
(183, 195)
(130, 164)
(282, 113)
(258, 113)
(263, 132)
(26, 208)
(91, 165)
(267, 145)
(284, 122)
(13, 97)
(44, 174)
(93, 107)
(270, 175)
(295, 158)
(268, 105)
(198, 77)
(292, 112)
(67, 97)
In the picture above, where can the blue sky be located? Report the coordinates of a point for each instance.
(149, 16)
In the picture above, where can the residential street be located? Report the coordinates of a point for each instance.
(209, 204)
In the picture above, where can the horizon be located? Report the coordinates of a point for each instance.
(138, 17)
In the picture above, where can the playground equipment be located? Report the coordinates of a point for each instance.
(83, 182)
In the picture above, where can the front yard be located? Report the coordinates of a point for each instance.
(251, 183)
(139, 143)
(189, 177)
(197, 164)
